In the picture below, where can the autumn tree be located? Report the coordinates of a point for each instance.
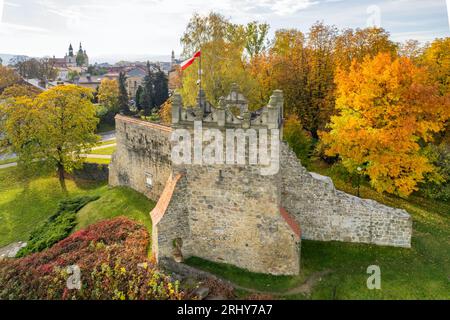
(19, 134)
(8, 77)
(357, 44)
(387, 110)
(19, 90)
(303, 67)
(67, 126)
(320, 69)
(298, 139)
(222, 44)
(165, 112)
(53, 130)
(411, 49)
(108, 95)
(436, 58)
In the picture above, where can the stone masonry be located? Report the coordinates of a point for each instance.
(142, 159)
(326, 214)
(231, 213)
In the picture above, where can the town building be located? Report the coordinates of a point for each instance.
(72, 60)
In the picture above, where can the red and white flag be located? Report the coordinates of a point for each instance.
(190, 61)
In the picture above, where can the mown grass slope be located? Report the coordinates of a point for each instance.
(25, 203)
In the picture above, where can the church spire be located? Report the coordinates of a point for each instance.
(173, 58)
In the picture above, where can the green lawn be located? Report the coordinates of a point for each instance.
(99, 161)
(247, 279)
(421, 272)
(25, 204)
(107, 142)
(104, 151)
(116, 202)
(418, 273)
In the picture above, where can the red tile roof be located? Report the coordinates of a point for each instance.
(160, 209)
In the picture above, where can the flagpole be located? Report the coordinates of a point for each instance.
(200, 77)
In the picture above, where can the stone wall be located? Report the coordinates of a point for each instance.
(142, 159)
(233, 214)
(234, 217)
(220, 216)
(325, 213)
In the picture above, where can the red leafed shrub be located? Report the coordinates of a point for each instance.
(112, 258)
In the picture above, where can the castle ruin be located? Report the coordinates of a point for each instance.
(229, 211)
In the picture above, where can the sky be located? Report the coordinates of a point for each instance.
(114, 29)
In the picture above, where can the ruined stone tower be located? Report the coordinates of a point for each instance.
(236, 211)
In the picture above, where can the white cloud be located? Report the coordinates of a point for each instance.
(286, 7)
(154, 26)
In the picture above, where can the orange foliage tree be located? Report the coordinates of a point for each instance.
(387, 108)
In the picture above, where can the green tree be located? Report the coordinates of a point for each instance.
(161, 88)
(108, 95)
(124, 106)
(138, 99)
(73, 74)
(53, 130)
(19, 134)
(222, 45)
(256, 38)
(147, 97)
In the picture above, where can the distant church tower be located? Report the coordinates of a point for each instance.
(82, 59)
(70, 58)
(70, 51)
(173, 62)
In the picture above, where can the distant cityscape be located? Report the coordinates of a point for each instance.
(75, 66)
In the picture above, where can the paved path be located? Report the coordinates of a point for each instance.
(304, 288)
(11, 250)
(104, 146)
(7, 156)
(8, 165)
(93, 156)
(105, 136)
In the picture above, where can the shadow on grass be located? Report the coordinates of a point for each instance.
(26, 202)
(246, 278)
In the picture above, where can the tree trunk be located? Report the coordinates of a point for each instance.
(62, 180)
